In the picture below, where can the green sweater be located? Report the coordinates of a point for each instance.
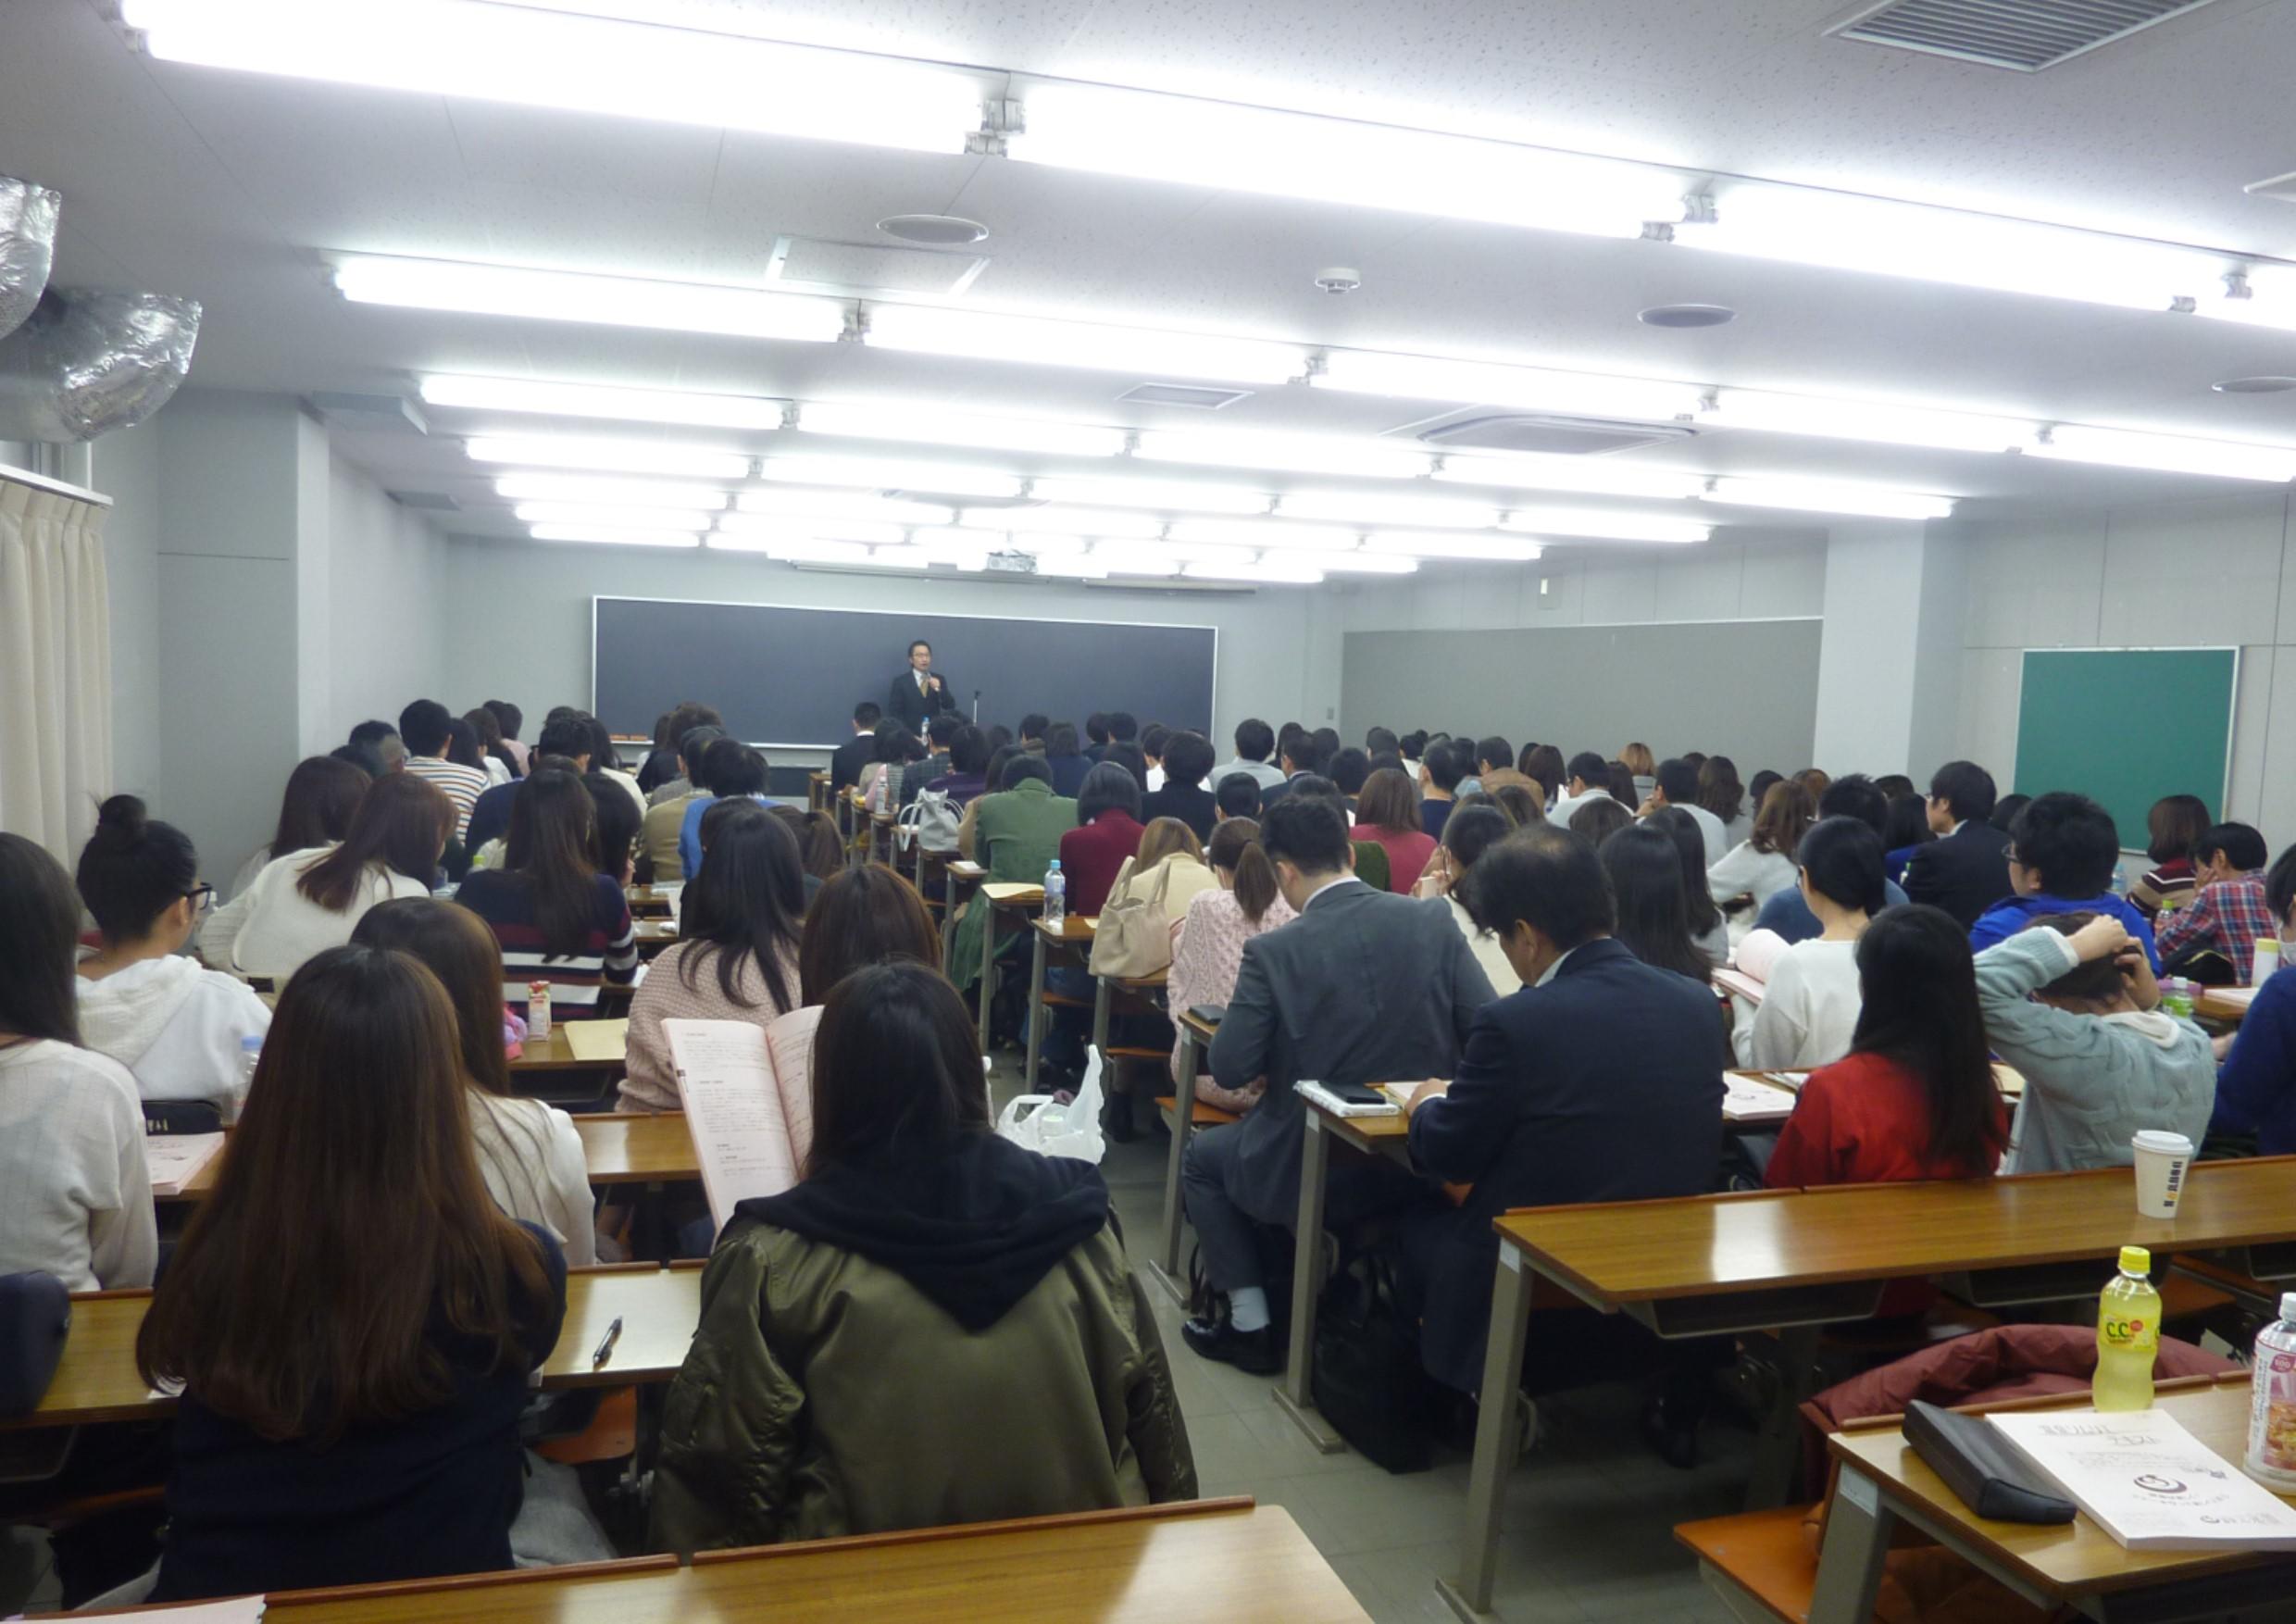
(1016, 836)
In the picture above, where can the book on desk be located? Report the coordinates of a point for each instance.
(2147, 1482)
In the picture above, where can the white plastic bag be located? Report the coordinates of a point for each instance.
(1034, 1122)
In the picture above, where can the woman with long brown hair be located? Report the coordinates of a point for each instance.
(315, 811)
(1387, 814)
(305, 902)
(1763, 864)
(558, 917)
(352, 1322)
(1207, 953)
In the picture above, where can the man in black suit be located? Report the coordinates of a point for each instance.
(918, 692)
(1600, 1080)
(847, 760)
(1965, 869)
(1363, 987)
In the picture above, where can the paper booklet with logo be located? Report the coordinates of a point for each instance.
(2149, 1483)
(748, 1094)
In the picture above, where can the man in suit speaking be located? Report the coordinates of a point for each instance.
(918, 692)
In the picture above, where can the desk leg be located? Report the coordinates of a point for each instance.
(1102, 999)
(988, 965)
(948, 929)
(1164, 1268)
(1849, 1564)
(1496, 1441)
(1294, 1396)
(1778, 1446)
(1036, 1011)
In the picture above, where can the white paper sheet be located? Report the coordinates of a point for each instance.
(2149, 1483)
(174, 1159)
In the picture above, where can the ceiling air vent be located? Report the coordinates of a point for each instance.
(1185, 394)
(2027, 35)
(817, 265)
(1553, 436)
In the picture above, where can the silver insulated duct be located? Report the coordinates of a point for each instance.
(85, 363)
(27, 247)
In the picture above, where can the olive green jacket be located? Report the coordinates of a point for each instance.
(1016, 835)
(826, 1396)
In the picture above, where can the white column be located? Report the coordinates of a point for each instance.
(1888, 666)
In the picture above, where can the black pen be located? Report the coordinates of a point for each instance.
(606, 1348)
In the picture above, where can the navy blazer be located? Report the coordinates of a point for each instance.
(1964, 873)
(1605, 1084)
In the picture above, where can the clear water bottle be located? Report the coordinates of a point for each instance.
(2129, 1335)
(2120, 880)
(1055, 895)
(250, 1051)
(2272, 1402)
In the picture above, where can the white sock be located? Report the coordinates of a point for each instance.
(1247, 1308)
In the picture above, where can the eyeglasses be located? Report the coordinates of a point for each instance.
(202, 898)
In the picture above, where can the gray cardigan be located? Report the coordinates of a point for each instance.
(2091, 1083)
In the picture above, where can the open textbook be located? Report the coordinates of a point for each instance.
(2149, 1483)
(748, 1095)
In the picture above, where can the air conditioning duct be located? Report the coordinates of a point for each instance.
(27, 247)
(85, 363)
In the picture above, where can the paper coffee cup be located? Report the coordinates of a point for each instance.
(2162, 1161)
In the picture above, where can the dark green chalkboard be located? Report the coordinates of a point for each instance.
(2126, 726)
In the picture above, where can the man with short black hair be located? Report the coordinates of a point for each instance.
(2063, 849)
(427, 727)
(918, 774)
(1299, 754)
(1363, 987)
(917, 693)
(1491, 754)
(1411, 747)
(1382, 742)
(1256, 742)
(847, 760)
(2228, 912)
(657, 836)
(1965, 869)
(1678, 786)
(1237, 796)
(384, 741)
(1151, 742)
(1032, 730)
(1096, 733)
(1187, 758)
(1439, 785)
(1587, 776)
(1852, 795)
(730, 768)
(567, 736)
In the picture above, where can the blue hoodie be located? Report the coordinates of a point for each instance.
(2011, 914)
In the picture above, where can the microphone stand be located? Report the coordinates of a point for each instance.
(975, 708)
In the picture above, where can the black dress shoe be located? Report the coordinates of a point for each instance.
(1253, 1352)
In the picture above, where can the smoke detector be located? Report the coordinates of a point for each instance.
(1340, 279)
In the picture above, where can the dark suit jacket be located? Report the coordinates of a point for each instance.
(847, 760)
(1191, 803)
(1964, 873)
(913, 709)
(1276, 792)
(1363, 987)
(1605, 1084)
(1068, 773)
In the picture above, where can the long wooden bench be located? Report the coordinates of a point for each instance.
(1762, 1556)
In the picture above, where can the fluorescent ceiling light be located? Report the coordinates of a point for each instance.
(1063, 520)
(1262, 533)
(1314, 454)
(630, 456)
(771, 526)
(1379, 508)
(939, 479)
(584, 512)
(1176, 552)
(1586, 476)
(1843, 231)
(609, 493)
(1828, 497)
(842, 504)
(575, 295)
(589, 400)
(793, 549)
(1229, 148)
(1274, 574)
(1605, 525)
(1877, 422)
(2265, 297)
(1156, 495)
(1075, 567)
(552, 58)
(1536, 388)
(931, 426)
(2169, 453)
(971, 553)
(993, 336)
(907, 557)
(616, 537)
(1351, 562)
(1450, 545)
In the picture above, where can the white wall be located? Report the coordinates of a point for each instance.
(125, 467)
(386, 612)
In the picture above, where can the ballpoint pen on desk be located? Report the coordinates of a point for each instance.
(606, 1348)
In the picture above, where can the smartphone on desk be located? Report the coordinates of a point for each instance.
(1359, 1093)
(1210, 1014)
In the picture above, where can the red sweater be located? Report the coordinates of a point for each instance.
(1089, 857)
(1407, 853)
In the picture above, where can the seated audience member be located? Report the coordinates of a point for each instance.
(1709, 930)
(176, 1026)
(1586, 779)
(1096, 737)
(1068, 763)
(1350, 769)
(1522, 802)
(322, 792)
(1893, 784)
(1914, 1098)
(658, 767)
(1209, 950)
(511, 719)
(1300, 755)
(1600, 1080)
(305, 902)
(919, 1257)
(1544, 765)
(1123, 729)
(75, 1191)
(1720, 793)
(1033, 727)
(384, 741)
(1125, 752)
(427, 727)
(1817, 782)
(1653, 914)
(2070, 1000)
(1638, 761)
(1678, 786)
(463, 749)
(1361, 988)
(618, 822)
(1786, 915)
(939, 732)
(2256, 1090)
(1107, 832)
(2173, 828)
(558, 919)
(867, 915)
(1169, 855)
(1471, 832)
(1965, 869)
(565, 738)
(667, 775)
(890, 755)
(847, 760)
(1387, 815)
(969, 761)
(1187, 759)
(605, 759)
(1494, 755)
(528, 1153)
(486, 728)
(1411, 747)
(1906, 832)
(1153, 740)
(820, 851)
(2006, 809)
(1601, 816)
(351, 1319)
(1237, 796)
(2061, 853)
(1759, 785)
(735, 958)
(1370, 857)
(1763, 865)
(1439, 785)
(1255, 743)
(1808, 1012)
(665, 818)
(2228, 912)
(1625, 787)
(1015, 835)
(731, 771)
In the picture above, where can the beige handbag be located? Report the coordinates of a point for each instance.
(1135, 935)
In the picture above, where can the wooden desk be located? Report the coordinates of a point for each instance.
(1388, 1136)
(1022, 908)
(1073, 935)
(1203, 1562)
(1882, 1482)
(617, 1150)
(2226, 1004)
(554, 1053)
(1790, 1261)
(817, 791)
(97, 1380)
(1195, 1035)
(654, 935)
(650, 901)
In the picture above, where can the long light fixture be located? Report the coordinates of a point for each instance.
(2258, 296)
(932, 426)
(1582, 476)
(1156, 495)
(2169, 453)
(1351, 561)
(1063, 520)
(597, 400)
(614, 536)
(878, 473)
(579, 295)
(1874, 422)
(1536, 388)
(1606, 526)
(997, 335)
(1829, 496)
(1312, 453)
(609, 492)
(1453, 544)
(1380, 508)
(794, 502)
(771, 526)
(628, 456)
(1231, 148)
(1262, 533)
(553, 58)
(583, 513)
(1273, 573)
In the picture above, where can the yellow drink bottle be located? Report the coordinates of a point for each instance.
(2129, 1335)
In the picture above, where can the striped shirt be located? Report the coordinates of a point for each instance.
(462, 785)
(609, 949)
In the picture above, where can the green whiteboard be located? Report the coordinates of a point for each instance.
(2126, 726)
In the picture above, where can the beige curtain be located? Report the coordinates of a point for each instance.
(56, 665)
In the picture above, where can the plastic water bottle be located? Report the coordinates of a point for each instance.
(2272, 1402)
(1055, 895)
(250, 1050)
(2120, 880)
(2129, 1335)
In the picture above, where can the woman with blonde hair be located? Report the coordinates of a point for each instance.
(1644, 767)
